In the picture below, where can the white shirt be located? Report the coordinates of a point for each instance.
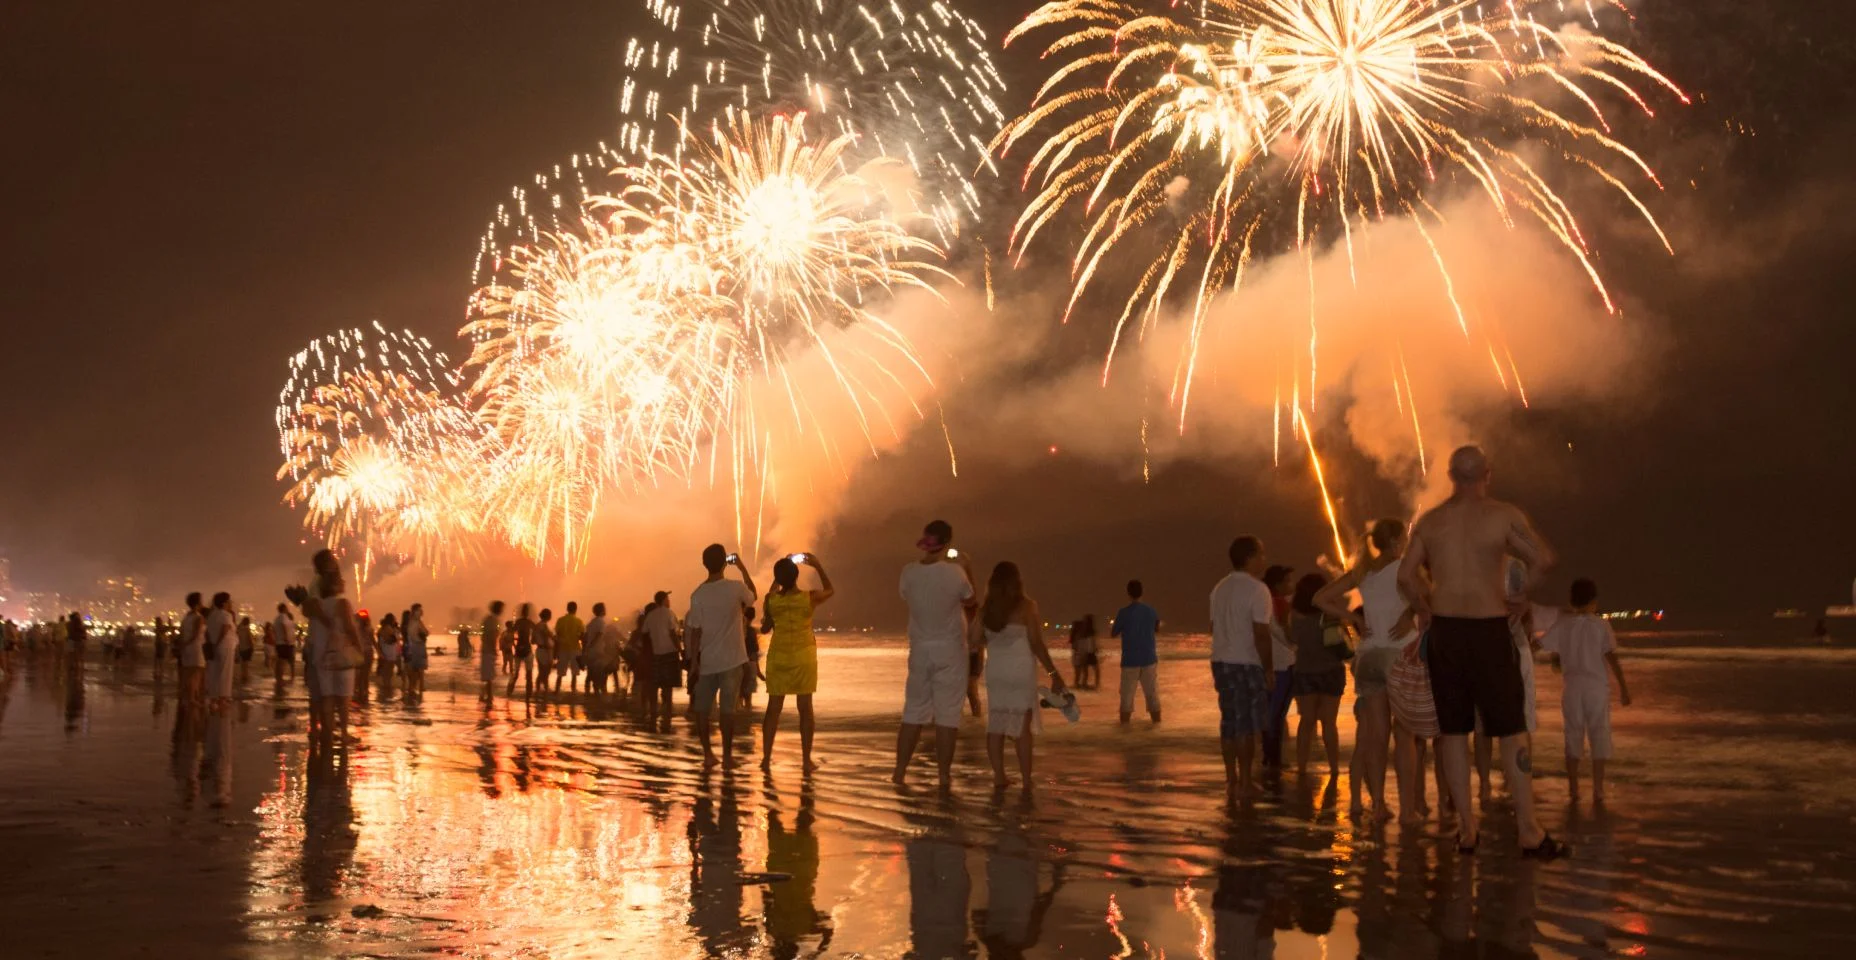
(1239, 603)
(936, 594)
(192, 636)
(222, 633)
(283, 630)
(715, 609)
(1283, 657)
(1581, 640)
(593, 642)
(661, 624)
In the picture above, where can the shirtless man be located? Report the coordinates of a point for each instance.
(1464, 545)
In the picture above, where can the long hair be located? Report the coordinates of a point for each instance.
(1005, 591)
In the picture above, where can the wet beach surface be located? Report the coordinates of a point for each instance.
(562, 829)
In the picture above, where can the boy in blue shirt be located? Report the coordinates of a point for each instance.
(1136, 625)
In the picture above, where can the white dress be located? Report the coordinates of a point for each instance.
(1011, 681)
(331, 680)
(222, 633)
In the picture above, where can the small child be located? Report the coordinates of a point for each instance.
(1583, 647)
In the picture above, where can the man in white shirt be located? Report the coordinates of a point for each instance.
(192, 644)
(283, 634)
(938, 589)
(1241, 662)
(666, 656)
(715, 627)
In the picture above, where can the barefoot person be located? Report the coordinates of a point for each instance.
(1319, 678)
(1463, 545)
(715, 628)
(191, 646)
(283, 632)
(792, 658)
(1387, 630)
(1013, 634)
(939, 594)
(486, 661)
(1583, 648)
(417, 657)
(1241, 662)
(222, 649)
(568, 632)
(1138, 626)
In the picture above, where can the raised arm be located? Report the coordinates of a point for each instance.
(1034, 632)
(1332, 599)
(1411, 572)
(747, 580)
(825, 590)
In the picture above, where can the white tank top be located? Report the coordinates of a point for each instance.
(1379, 594)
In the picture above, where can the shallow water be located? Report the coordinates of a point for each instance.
(559, 829)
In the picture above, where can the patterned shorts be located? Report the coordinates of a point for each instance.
(1243, 699)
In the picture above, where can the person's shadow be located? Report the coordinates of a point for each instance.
(939, 888)
(1012, 921)
(329, 837)
(715, 874)
(792, 913)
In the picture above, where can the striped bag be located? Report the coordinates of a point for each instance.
(1408, 687)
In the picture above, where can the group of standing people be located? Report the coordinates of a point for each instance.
(717, 641)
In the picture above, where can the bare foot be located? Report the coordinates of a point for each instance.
(766, 763)
(897, 779)
(1000, 783)
(709, 762)
(811, 766)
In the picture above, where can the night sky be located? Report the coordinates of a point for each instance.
(192, 192)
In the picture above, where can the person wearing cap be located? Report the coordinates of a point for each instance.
(660, 626)
(938, 589)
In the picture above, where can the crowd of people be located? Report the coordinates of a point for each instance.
(1433, 625)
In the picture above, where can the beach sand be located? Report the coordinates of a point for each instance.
(562, 830)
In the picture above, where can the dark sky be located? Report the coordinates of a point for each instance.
(194, 191)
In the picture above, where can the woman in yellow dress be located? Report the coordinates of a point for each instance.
(792, 660)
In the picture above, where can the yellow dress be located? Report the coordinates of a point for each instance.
(792, 659)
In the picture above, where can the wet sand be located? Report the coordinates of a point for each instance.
(559, 829)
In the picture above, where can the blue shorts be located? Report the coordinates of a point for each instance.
(1243, 699)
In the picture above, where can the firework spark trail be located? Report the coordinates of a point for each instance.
(910, 84)
(1179, 129)
(649, 340)
(364, 420)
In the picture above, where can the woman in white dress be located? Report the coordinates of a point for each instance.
(335, 654)
(222, 637)
(1387, 627)
(1010, 631)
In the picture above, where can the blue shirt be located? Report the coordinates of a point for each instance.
(1136, 625)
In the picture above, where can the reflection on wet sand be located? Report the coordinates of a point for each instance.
(564, 829)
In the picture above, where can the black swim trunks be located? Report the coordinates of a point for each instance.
(1474, 668)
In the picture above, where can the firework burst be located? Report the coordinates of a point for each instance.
(1211, 132)
(917, 86)
(372, 434)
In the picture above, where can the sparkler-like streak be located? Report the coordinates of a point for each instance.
(372, 437)
(1210, 131)
(913, 83)
(628, 351)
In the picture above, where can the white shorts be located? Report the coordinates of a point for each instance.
(1587, 712)
(937, 688)
(1146, 678)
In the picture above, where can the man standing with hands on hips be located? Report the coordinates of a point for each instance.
(1454, 577)
(938, 589)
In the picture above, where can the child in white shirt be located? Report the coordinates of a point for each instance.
(1583, 648)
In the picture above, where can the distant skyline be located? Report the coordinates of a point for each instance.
(198, 194)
